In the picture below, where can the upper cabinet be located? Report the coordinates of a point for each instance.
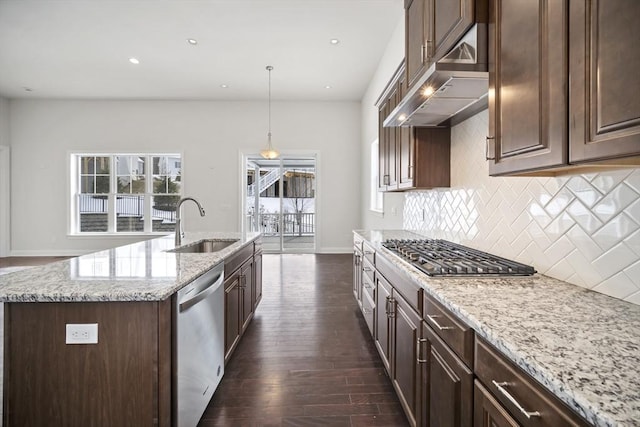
(563, 85)
(410, 157)
(605, 88)
(417, 20)
(527, 85)
(433, 27)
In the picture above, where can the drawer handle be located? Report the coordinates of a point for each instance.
(501, 388)
(435, 322)
(369, 252)
(366, 269)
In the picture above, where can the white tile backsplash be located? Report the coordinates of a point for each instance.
(584, 229)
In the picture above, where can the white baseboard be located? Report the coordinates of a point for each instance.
(346, 250)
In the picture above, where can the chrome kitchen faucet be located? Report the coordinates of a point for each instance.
(179, 231)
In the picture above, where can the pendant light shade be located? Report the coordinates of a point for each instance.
(269, 152)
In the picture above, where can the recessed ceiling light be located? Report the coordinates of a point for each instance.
(334, 41)
(192, 42)
(327, 87)
(134, 61)
(224, 86)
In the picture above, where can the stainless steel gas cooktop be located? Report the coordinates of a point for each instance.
(444, 258)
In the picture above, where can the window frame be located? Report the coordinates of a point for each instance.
(376, 197)
(74, 187)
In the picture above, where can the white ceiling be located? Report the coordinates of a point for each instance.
(80, 48)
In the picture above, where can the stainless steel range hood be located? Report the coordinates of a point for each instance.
(452, 89)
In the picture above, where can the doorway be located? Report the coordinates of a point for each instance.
(280, 202)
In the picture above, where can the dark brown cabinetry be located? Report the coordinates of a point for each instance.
(257, 277)
(604, 67)
(383, 327)
(537, 123)
(410, 157)
(447, 394)
(487, 411)
(123, 380)
(433, 27)
(240, 296)
(432, 358)
(526, 401)
(527, 85)
(417, 30)
(405, 324)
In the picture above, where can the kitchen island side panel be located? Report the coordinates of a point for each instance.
(113, 383)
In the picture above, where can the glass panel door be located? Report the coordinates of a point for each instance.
(280, 203)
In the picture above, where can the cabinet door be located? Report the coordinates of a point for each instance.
(232, 323)
(487, 411)
(604, 70)
(527, 85)
(383, 148)
(451, 20)
(405, 365)
(257, 280)
(246, 293)
(382, 326)
(416, 21)
(449, 384)
(406, 157)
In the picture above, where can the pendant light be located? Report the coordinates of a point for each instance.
(269, 152)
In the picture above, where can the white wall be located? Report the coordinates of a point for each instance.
(209, 134)
(5, 189)
(391, 218)
(581, 228)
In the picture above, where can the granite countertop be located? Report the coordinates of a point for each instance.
(142, 271)
(581, 345)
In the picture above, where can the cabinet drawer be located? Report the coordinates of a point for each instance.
(368, 269)
(357, 242)
(368, 286)
(369, 253)
(368, 310)
(232, 263)
(520, 394)
(410, 291)
(454, 332)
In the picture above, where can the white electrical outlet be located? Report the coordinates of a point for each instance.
(82, 333)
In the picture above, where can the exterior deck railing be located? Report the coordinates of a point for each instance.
(293, 224)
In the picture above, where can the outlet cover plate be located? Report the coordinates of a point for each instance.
(82, 333)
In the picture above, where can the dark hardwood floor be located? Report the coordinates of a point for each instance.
(307, 359)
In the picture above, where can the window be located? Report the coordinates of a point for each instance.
(124, 193)
(375, 199)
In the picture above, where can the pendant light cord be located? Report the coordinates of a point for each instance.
(269, 68)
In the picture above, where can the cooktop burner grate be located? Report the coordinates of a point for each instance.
(437, 257)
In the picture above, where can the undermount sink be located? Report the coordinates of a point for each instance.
(204, 246)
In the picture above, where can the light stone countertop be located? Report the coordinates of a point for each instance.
(581, 345)
(142, 271)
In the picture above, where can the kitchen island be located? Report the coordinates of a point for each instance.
(581, 346)
(128, 377)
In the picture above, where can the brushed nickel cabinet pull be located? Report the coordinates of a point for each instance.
(433, 320)
(410, 171)
(386, 306)
(490, 138)
(422, 48)
(501, 388)
(419, 350)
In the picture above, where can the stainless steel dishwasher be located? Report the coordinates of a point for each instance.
(200, 345)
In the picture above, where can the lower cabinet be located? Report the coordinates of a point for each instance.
(447, 384)
(405, 367)
(487, 411)
(433, 359)
(242, 292)
(383, 324)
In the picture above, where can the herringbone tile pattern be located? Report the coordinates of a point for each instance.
(584, 229)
